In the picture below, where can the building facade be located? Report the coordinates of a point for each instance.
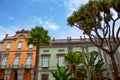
(0, 50)
(52, 55)
(18, 59)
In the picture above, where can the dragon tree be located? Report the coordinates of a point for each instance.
(101, 25)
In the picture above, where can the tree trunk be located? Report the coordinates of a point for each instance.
(36, 61)
(73, 68)
(90, 73)
(114, 66)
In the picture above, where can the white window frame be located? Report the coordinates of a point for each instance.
(0, 45)
(19, 47)
(45, 61)
(8, 46)
(4, 60)
(29, 60)
(30, 47)
(16, 59)
(61, 60)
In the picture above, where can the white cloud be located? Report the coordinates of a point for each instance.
(55, 30)
(4, 30)
(73, 5)
(36, 21)
(47, 24)
(58, 34)
(13, 28)
(73, 32)
(51, 25)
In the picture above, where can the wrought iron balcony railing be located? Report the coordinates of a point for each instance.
(2, 66)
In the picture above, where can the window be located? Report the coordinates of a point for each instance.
(19, 45)
(0, 55)
(0, 45)
(29, 60)
(45, 50)
(16, 60)
(4, 60)
(61, 50)
(30, 47)
(45, 61)
(70, 49)
(44, 77)
(8, 46)
(61, 60)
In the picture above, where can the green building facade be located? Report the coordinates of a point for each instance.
(54, 54)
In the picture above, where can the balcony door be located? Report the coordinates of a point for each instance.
(14, 75)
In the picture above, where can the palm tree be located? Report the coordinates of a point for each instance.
(73, 59)
(82, 73)
(37, 36)
(98, 70)
(92, 65)
(61, 73)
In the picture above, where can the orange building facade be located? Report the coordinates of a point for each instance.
(18, 59)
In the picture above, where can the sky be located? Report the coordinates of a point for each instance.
(50, 14)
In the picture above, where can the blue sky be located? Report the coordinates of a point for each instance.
(51, 14)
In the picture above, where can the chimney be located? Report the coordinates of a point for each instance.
(70, 37)
(6, 35)
(84, 37)
(67, 38)
(53, 38)
(80, 37)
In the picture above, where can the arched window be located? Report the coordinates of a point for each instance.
(2, 74)
(16, 60)
(19, 45)
(4, 60)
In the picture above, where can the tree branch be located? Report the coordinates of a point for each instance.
(109, 37)
(92, 40)
(113, 30)
(117, 36)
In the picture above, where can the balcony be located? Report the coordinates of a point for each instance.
(30, 49)
(18, 49)
(45, 68)
(3, 66)
(28, 66)
(15, 66)
(7, 49)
